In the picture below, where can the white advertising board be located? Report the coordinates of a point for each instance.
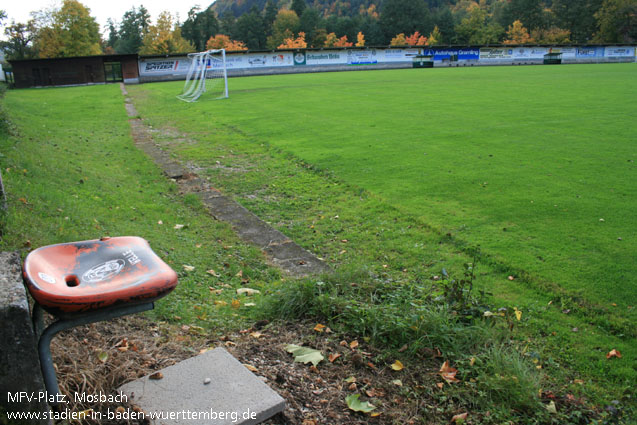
(326, 57)
(618, 51)
(397, 55)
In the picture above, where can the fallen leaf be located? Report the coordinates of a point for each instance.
(472, 361)
(397, 365)
(448, 373)
(511, 278)
(614, 353)
(518, 313)
(304, 354)
(160, 222)
(251, 368)
(440, 385)
(102, 356)
(247, 291)
(459, 418)
(220, 302)
(551, 407)
(249, 304)
(353, 344)
(23, 200)
(397, 382)
(236, 303)
(578, 381)
(319, 327)
(356, 405)
(332, 357)
(350, 379)
(239, 273)
(188, 268)
(156, 376)
(256, 335)
(375, 414)
(352, 387)
(213, 273)
(178, 226)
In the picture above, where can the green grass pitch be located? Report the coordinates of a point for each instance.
(535, 164)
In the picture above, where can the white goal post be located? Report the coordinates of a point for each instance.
(207, 72)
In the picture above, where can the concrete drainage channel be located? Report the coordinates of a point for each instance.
(279, 249)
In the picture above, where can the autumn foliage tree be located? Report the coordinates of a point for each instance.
(342, 42)
(435, 37)
(552, 35)
(517, 34)
(285, 26)
(399, 40)
(294, 43)
(416, 39)
(164, 38)
(72, 32)
(330, 40)
(221, 41)
(360, 39)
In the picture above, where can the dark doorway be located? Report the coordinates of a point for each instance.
(113, 72)
(90, 77)
(37, 79)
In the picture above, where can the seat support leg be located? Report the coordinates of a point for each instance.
(44, 343)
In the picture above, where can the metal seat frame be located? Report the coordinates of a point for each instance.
(68, 321)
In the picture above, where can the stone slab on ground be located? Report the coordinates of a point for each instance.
(19, 361)
(233, 396)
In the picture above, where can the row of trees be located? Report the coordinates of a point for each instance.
(71, 31)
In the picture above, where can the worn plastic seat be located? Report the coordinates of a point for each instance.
(91, 281)
(92, 275)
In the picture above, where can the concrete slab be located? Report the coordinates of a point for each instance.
(233, 396)
(20, 380)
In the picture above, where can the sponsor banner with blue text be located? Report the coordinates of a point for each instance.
(362, 57)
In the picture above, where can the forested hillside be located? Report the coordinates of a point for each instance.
(284, 24)
(458, 22)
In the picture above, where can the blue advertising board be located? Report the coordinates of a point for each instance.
(590, 52)
(445, 54)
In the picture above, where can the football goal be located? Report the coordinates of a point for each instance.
(207, 73)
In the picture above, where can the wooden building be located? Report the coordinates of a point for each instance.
(76, 70)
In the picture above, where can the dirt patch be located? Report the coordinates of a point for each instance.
(99, 358)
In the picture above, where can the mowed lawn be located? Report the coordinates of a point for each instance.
(535, 164)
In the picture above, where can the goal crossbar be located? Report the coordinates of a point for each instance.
(207, 70)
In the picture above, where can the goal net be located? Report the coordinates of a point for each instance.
(207, 73)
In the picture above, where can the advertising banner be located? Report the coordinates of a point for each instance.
(326, 57)
(446, 54)
(299, 58)
(614, 52)
(567, 52)
(361, 57)
(590, 52)
(397, 55)
(496, 53)
(265, 60)
(172, 66)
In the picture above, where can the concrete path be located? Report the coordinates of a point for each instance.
(280, 250)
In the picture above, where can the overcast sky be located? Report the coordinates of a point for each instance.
(20, 10)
